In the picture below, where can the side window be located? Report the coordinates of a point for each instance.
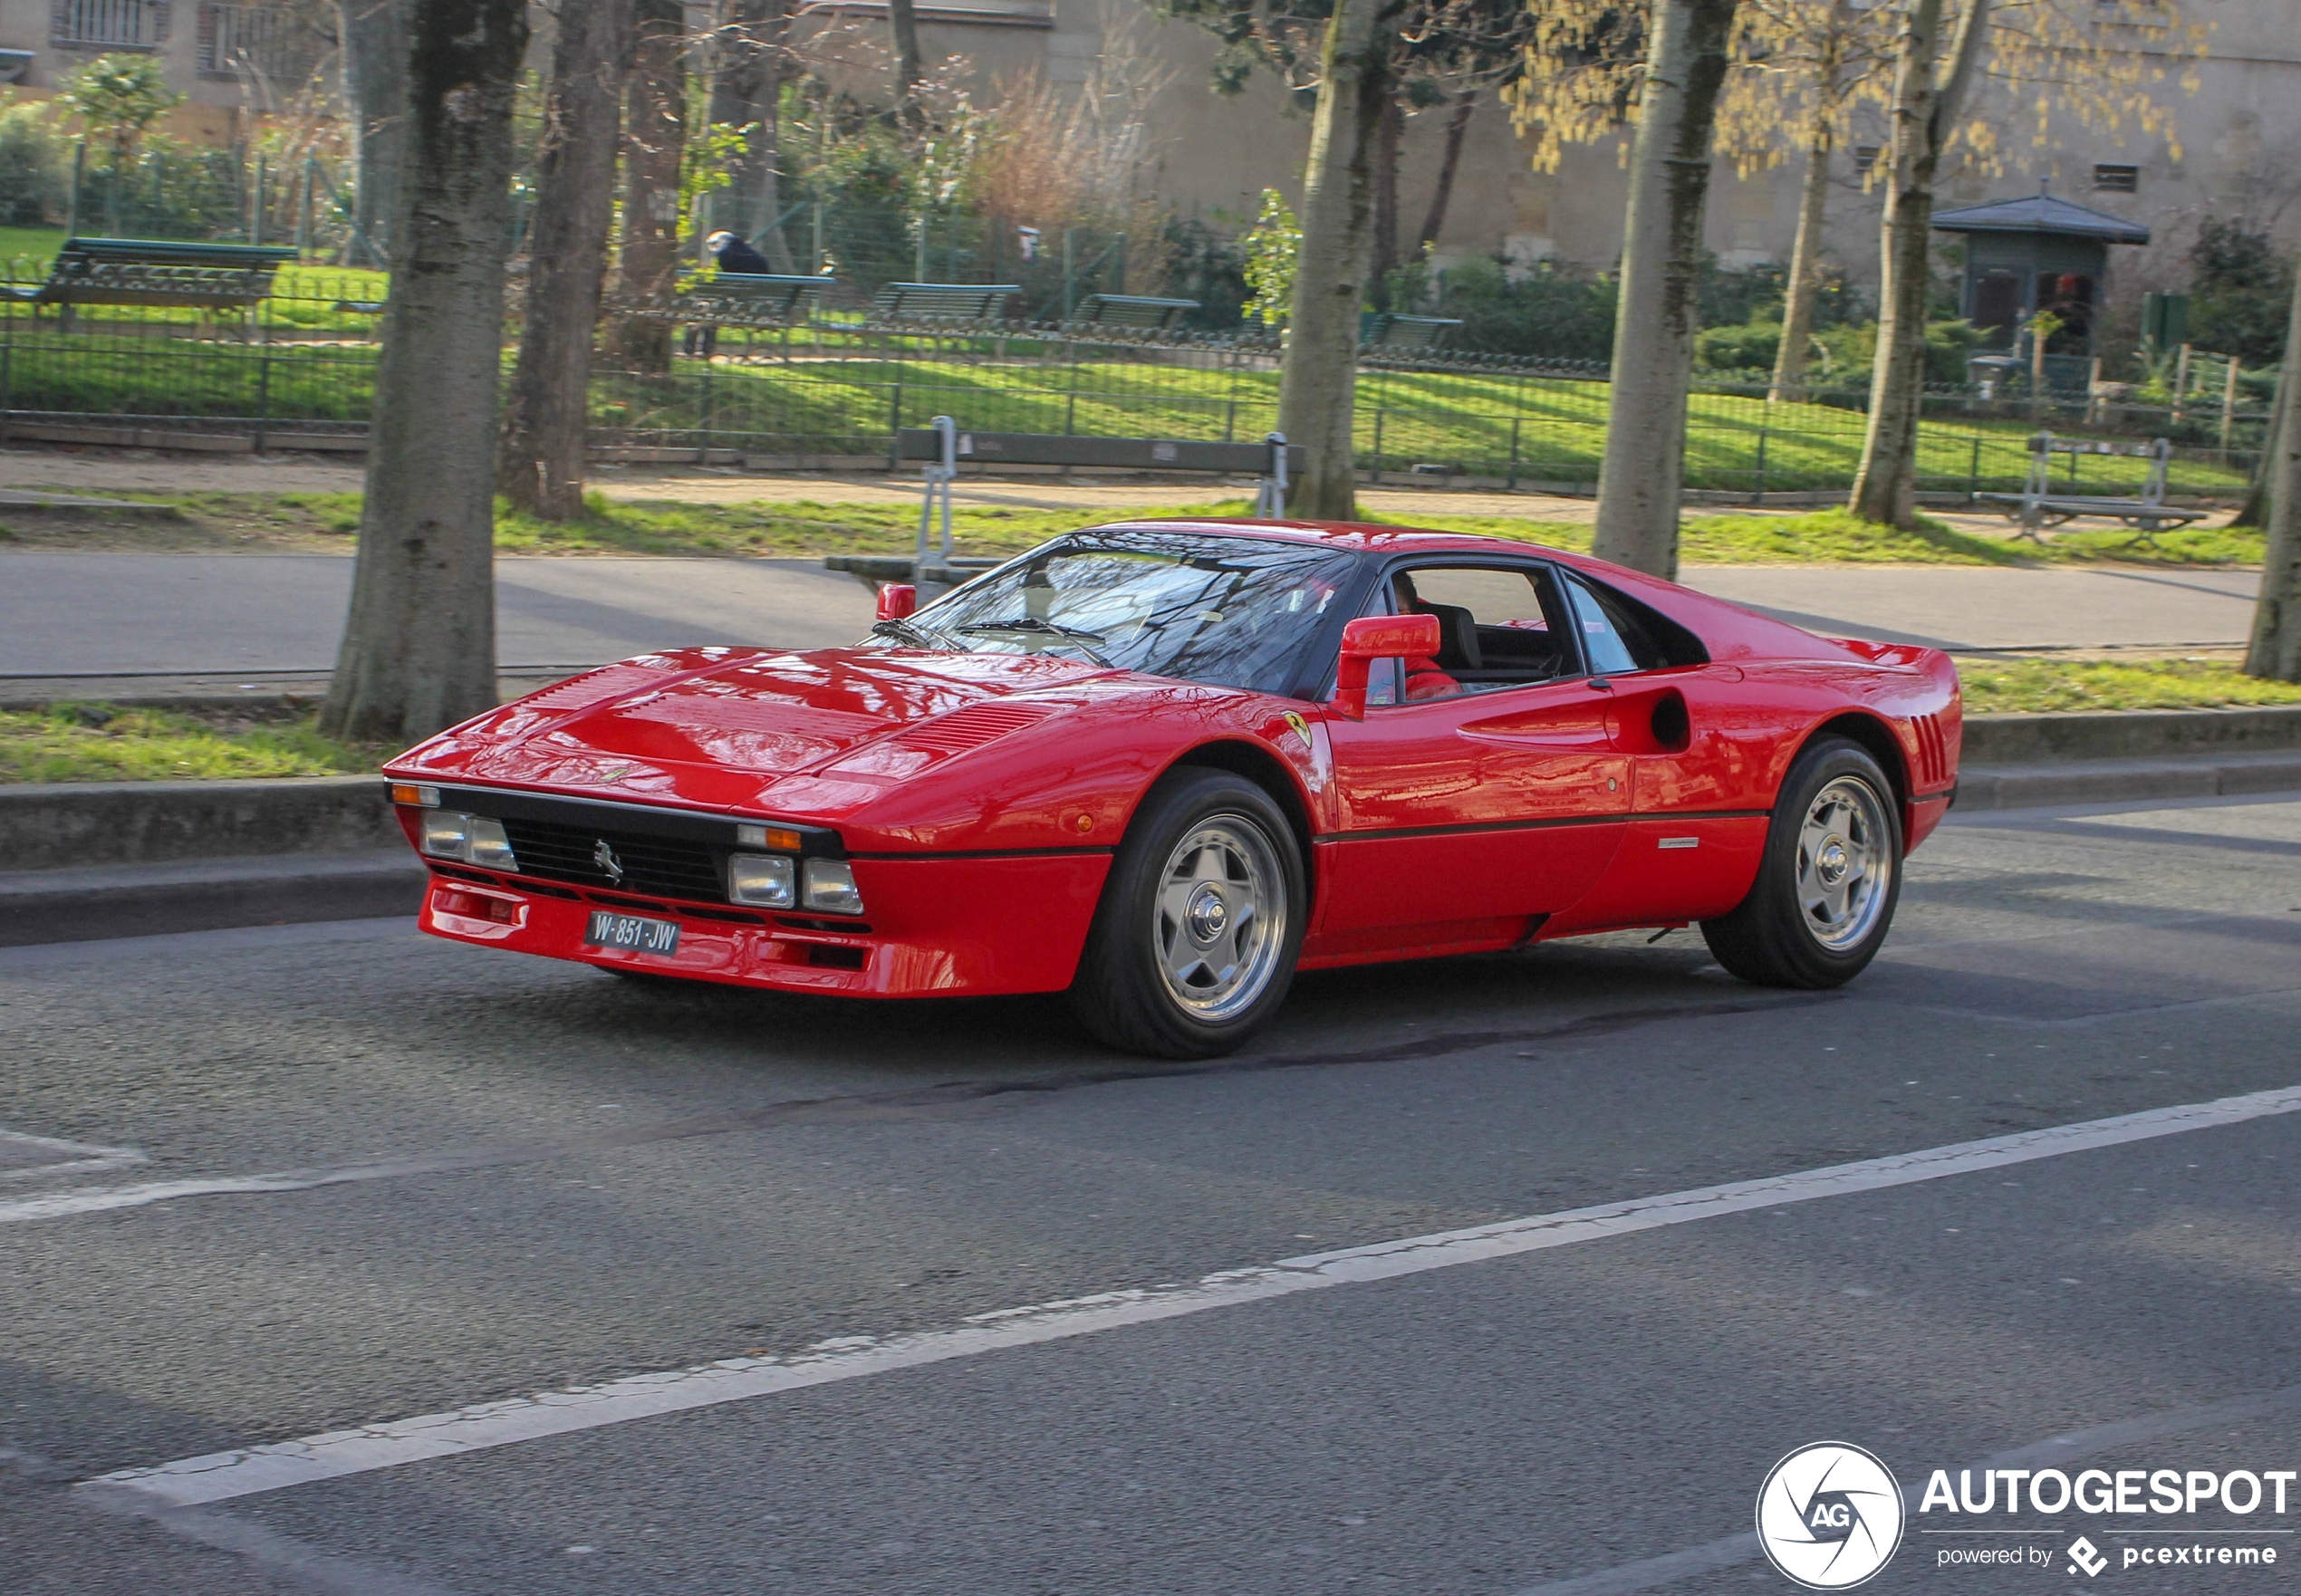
(1498, 628)
(1620, 634)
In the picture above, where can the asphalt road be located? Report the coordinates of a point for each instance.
(587, 1180)
(93, 615)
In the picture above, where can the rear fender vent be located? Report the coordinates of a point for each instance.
(1933, 751)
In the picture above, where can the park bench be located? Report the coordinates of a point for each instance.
(1391, 332)
(943, 446)
(751, 299)
(156, 272)
(2037, 506)
(967, 303)
(1131, 310)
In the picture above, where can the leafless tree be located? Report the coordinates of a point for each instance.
(1653, 354)
(654, 145)
(2275, 652)
(754, 59)
(419, 646)
(539, 465)
(373, 36)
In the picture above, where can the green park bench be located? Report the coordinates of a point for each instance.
(2037, 506)
(1131, 310)
(751, 299)
(1388, 332)
(156, 272)
(898, 303)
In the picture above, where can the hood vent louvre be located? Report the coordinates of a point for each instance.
(970, 727)
(594, 687)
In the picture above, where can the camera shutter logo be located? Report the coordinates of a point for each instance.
(1829, 1516)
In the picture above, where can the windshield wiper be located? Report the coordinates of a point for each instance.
(904, 629)
(1032, 623)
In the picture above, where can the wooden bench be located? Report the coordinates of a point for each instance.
(1131, 310)
(751, 299)
(2037, 506)
(157, 272)
(957, 303)
(1407, 332)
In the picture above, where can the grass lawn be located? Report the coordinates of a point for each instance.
(2032, 686)
(1531, 429)
(38, 246)
(99, 743)
(313, 521)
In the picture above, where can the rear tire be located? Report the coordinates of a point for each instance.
(1194, 943)
(1829, 879)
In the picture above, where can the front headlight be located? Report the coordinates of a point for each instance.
(831, 887)
(760, 879)
(446, 833)
(450, 834)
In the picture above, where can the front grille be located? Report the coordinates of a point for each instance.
(666, 867)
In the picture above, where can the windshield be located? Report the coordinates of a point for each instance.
(1233, 612)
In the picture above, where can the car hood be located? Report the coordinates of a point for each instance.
(750, 717)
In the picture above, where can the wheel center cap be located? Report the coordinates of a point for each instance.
(1831, 865)
(1207, 914)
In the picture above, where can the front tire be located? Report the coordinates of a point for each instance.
(1829, 879)
(1194, 943)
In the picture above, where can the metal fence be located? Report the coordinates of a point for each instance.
(297, 370)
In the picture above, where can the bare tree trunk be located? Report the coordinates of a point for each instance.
(903, 21)
(1390, 132)
(1656, 315)
(2275, 652)
(748, 92)
(2255, 510)
(654, 142)
(1805, 270)
(1885, 486)
(374, 34)
(1316, 388)
(1457, 126)
(419, 646)
(539, 465)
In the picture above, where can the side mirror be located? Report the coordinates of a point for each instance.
(1378, 637)
(897, 600)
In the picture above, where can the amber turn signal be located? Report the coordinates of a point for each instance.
(421, 797)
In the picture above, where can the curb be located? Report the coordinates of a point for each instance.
(2129, 734)
(1985, 787)
(103, 901)
(62, 825)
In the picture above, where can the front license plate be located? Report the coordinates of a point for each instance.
(634, 932)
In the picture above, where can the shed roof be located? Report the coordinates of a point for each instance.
(2041, 213)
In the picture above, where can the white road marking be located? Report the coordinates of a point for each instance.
(63, 1158)
(221, 1476)
(1728, 1551)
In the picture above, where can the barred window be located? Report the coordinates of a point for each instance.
(2117, 180)
(243, 37)
(1865, 159)
(109, 25)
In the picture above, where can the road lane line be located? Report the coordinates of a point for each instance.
(221, 1476)
(60, 1157)
(1653, 1572)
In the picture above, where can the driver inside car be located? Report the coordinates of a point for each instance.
(1424, 678)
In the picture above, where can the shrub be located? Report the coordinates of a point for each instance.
(2242, 294)
(1557, 311)
(35, 168)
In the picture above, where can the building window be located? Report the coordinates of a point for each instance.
(278, 42)
(1865, 159)
(2117, 180)
(109, 25)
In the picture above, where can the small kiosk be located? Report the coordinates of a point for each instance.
(2032, 255)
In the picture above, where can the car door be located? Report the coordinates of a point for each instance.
(1469, 809)
(1699, 740)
